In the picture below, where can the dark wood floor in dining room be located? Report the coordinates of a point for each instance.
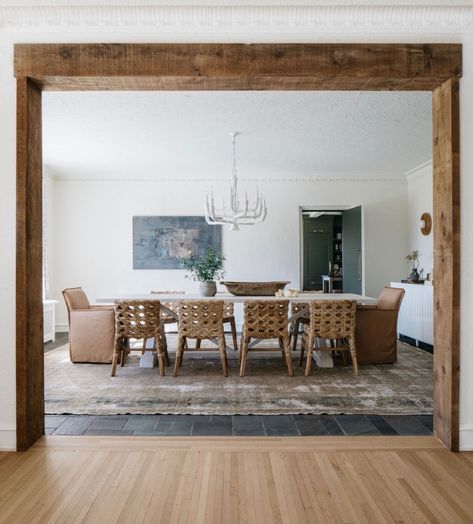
(233, 425)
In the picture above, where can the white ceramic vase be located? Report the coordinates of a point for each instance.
(208, 288)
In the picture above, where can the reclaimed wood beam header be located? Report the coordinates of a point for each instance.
(271, 63)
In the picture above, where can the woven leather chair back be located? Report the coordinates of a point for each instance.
(137, 319)
(332, 319)
(296, 307)
(200, 318)
(265, 318)
(173, 306)
(228, 309)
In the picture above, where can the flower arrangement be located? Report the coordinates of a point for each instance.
(206, 268)
(413, 259)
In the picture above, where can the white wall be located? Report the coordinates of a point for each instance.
(356, 24)
(93, 232)
(49, 219)
(420, 200)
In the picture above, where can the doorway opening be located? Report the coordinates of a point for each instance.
(332, 249)
(434, 67)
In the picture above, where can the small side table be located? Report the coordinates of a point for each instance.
(327, 283)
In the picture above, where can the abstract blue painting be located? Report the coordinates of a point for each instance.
(161, 242)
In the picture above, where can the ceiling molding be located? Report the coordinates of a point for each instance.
(316, 179)
(248, 18)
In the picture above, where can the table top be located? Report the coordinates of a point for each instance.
(303, 297)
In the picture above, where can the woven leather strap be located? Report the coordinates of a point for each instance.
(137, 318)
(200, 319)
(265, 318)
(332, 319)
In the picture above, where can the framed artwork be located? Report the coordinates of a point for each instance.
(161, 242)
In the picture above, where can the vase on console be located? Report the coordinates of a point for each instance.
(414, 276)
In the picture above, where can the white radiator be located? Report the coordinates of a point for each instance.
(416, 317)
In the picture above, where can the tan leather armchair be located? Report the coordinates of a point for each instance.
(91, 328)
(376, 328)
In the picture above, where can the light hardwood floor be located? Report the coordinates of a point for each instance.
(258, 479)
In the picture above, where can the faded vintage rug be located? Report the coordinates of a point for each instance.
(402, 388)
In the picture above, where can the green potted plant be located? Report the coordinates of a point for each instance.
(205, 270)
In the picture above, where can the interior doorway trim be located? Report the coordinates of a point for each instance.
(68, 67)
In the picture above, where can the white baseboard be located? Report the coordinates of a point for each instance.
(62, 328)
(7, 440)
(466, 438)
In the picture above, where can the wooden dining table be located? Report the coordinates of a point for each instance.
(323, 358)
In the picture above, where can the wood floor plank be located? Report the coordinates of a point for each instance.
(77, 480)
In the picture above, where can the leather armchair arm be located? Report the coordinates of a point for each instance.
(366, 307)
(102, 307)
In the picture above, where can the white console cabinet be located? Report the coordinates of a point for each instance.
(416, 316)
(49, 320)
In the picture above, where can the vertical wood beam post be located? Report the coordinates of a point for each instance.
(446, 207)
(29, 263)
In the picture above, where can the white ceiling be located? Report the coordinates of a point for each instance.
(185, 134)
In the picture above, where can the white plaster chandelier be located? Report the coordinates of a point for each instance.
(237, 215)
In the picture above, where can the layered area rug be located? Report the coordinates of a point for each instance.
(403, 388)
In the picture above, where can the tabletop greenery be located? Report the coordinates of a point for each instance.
(206, 268)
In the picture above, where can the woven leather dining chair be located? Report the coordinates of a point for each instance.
(228, 318)
(265, 319)
(333, 320)
(200, 319)
(138, 319)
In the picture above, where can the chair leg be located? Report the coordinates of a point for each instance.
(116, 354)
(125, 352)
(353, 355)
(179, 351)
(185, 348)
(223, 354)
(244, 354)
(234, 334)
(303, 345)
(310, 348)
(165, 346)
(281, 345)
(159, 343)
(197, 343)
(287, 351)
(296, 334)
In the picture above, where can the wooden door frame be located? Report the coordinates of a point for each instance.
(65, 67)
